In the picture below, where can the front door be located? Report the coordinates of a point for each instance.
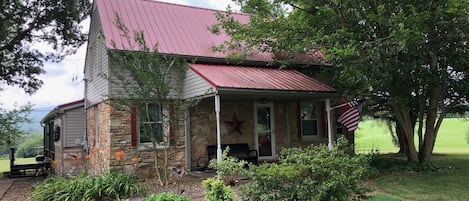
(264, 130)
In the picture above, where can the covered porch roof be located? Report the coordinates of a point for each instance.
(257, 82)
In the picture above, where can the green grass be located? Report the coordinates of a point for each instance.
(439, 185)
(452, 137)
(5, 163)
(452, 148)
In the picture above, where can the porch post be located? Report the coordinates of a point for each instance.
(329, 122)
(217, 112)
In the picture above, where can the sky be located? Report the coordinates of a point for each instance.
(63, 82)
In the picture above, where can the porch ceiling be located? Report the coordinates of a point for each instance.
(261, 82)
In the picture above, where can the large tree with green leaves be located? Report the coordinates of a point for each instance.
(34, 31)
(10, 129)
(410, 58)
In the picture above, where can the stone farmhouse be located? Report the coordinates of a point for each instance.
(252, 103)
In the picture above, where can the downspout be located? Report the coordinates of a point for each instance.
(188, 139)
(85, 137)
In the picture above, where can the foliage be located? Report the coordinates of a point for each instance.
(10, 130)
(228, 168)
(390, 163)
(29, 146)
(311, 173)
(167, 196)
(408, 58)
(109, 186)
(215, 190)
(25, 25)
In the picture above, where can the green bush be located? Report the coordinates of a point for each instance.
(215, 190)
(109, 186)
(311, 173)
(168, 196)
(229, 167)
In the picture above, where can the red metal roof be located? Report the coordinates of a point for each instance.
(245, 77)
(177, 29)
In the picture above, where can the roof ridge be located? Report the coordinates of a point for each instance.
(191, 6)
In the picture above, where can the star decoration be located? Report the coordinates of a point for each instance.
(235, 124)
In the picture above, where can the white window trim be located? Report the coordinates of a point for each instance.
(165, 129)
(312, 138)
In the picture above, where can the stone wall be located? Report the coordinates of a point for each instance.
(114, 151)
(203, 126)
(115, 136)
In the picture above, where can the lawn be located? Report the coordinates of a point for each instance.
(433, 185)
(5, 163)
(452, 137)
(453, 151)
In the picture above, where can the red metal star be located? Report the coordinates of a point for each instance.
(235, 124)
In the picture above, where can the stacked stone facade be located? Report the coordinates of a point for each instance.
(114, 138)
(114, 133)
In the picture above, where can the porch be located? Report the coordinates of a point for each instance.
(268, 109)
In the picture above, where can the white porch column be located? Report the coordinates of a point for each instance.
(329, 122)
(217, 112)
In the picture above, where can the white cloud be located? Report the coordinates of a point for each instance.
(63, 82)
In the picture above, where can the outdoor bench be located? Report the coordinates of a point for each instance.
(240, 151)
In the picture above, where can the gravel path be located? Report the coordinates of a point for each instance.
(17, 189)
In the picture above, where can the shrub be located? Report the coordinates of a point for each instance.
(215, 190)
(229, 167)
(168, 196)
(109, 186)
(312, 173)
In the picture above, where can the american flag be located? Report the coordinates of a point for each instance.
(351, 116)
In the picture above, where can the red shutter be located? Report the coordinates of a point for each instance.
(298, 119)
(133, 126)
(324, 120)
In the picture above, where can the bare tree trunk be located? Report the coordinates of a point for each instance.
(403, 120)
(431, 127)
(395, 140)
(403, 148)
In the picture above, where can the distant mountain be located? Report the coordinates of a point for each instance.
(36, 115)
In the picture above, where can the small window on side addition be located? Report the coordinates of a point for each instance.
(150, 123)
(309, 121)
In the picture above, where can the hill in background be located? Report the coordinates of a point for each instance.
(36, 115)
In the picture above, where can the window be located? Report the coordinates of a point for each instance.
(309, 120)
(150, 124)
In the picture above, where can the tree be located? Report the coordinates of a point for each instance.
(147, 78)
(408, 57)
(10, 120)
(31, 146)
(26, 25)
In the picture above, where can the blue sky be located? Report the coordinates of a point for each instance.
(63, 81)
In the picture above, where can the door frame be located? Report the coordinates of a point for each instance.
(272, 128)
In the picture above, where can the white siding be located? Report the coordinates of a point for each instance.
(96, 64)
(74, 127)
(118, 90)
(195, 86)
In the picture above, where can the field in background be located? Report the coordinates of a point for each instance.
(5, 163)
(374, 135)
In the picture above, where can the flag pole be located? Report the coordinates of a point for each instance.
(338, 106)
